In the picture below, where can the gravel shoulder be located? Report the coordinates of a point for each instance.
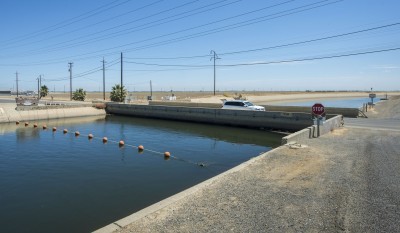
(344, 181)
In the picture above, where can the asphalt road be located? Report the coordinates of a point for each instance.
(372, 185)
(4, 100)
(373, 123)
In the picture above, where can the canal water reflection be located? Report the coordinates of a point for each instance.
(55, 182)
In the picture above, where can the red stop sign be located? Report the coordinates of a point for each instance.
(318, 109)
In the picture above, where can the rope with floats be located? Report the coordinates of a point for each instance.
(167, 155)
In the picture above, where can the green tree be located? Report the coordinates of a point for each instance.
(115, 94)
(79, 94)
(44, 91)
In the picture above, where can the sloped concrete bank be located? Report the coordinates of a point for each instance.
(8, 113)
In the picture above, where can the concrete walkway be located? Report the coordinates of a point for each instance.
(347, 180)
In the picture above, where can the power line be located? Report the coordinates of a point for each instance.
(271, 47)
(140, 27)
(312, 40)
(85, 73)
(68, 22)
(313, 58)
(176, 32)
(207, 24)
(87, 26)
(41, 50)
(283, 61)
(216, 30)
(114, 27)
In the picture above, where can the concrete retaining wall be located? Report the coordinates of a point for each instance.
(53, 106)
(254, 119)
(185, 104)
(308, 133)
(346, 112)
(9, 114)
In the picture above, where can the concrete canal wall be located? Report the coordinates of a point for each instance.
(254, 119)
(346, 112)
(9, 113)
(300, 122)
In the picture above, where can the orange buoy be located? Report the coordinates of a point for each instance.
(77, 133)
(44, 126)
(121, 143)
(105, 139)
(17, 122)
(35, 125)
(54, 128)
(65, 131)
(167, 154)
(140, 148)
(26, 123)
(90, 136)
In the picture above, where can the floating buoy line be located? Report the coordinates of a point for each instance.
(167, 155)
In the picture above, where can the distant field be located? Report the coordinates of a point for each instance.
(261, 97)
(180, 95)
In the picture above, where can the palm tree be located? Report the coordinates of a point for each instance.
(116, 95)
(79, 94)
(44, 91)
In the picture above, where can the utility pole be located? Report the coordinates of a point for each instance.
(151, 90)
(121, 79)
(38, 87)
(70, 80)
(215, 57)
(104, 81)
(16, 80)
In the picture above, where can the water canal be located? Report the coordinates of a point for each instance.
(334, 102)
(56, 182)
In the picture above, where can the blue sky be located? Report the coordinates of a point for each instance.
(169, 42)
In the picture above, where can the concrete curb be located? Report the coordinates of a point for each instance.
(179, 196)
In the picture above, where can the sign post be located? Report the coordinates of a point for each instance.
(372, 96)
(318, 111)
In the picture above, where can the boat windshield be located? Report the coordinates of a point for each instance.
(249, 103)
